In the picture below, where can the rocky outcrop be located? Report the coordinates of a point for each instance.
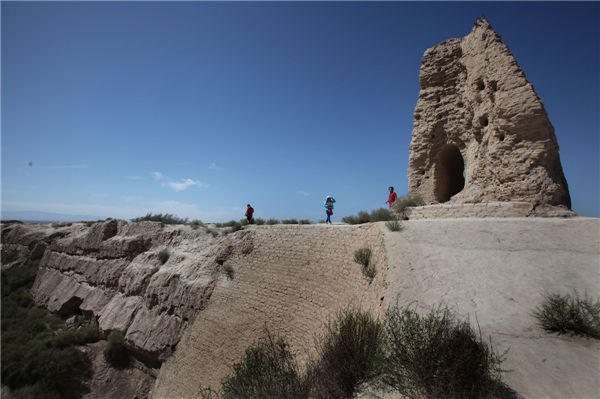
(481, 133)
(110, 271)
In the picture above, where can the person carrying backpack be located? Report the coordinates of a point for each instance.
(329, 208)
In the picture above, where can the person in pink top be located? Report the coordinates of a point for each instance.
(392, 197)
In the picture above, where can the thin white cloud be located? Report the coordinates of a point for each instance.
(214, 166)
(303, 193)
(184, 184)
(157, 175)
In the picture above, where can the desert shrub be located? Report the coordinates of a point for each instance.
(362, 217)
(377, 215)
(569, 314)
(369, 271)
(402, 203)
(349, 219)
(228, 270)
(435, 356)
(167, 218)
(393, 225)
(78, 336)
(33, 363)
(381, 215)
(231, 223)
(362, 256)
(164, 255)
(212, 232)
(289, 221)
(304, 221)
(259, 221)
(235, 227)
(350, 353)
(273, 221)
(18, 276)
(12, 221)
(8, 255)
(196, 224)
(115, 353)
(267, 371)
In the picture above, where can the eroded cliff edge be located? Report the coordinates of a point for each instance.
(186, 316)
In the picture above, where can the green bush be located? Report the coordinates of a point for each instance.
(569, 314)
(393, 225)
(273, 221)
(228, 270)
(377, 215)
(231, 223)
(167, 218)
(362, 256)
(435, 356)
(79, 336)
(35, 362)
(8, 256)
(410, 200)
(259, 221)
(381, 215)
(267, 371)
(196, 224)
(12, 221)
(115, 353)
(350, 353)
(235, 227)
(304, 221)
(163, 256)
(289, 221)
(363, 217)
(369, 271)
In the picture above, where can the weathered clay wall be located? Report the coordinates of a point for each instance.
(110, 271)
(291, 281)
(481, 133)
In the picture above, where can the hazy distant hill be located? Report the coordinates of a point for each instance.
(36, 216)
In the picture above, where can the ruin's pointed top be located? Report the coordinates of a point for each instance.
(482, 22)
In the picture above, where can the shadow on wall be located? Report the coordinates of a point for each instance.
(449, 173)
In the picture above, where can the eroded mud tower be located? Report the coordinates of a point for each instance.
(481, 133)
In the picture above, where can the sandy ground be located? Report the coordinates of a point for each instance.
(495, 272)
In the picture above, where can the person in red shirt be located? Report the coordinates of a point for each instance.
(249, 213)
(392, 197)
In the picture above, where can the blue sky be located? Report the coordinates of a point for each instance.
(198, 108)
